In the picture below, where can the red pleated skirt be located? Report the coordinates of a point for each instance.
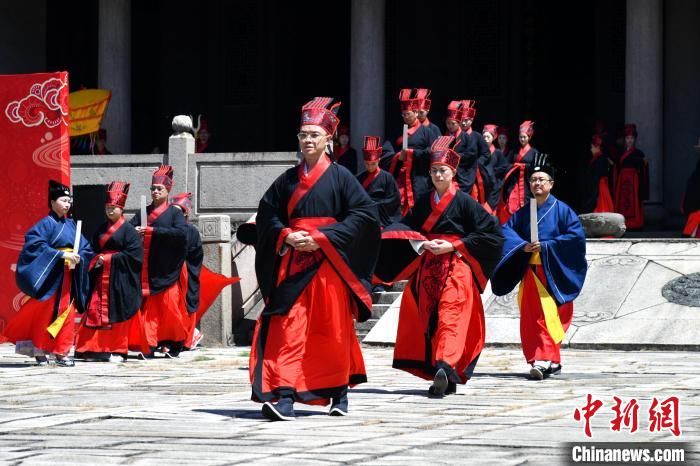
(312, 350)
(161, 318)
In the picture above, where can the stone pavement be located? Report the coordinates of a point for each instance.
(196, 410)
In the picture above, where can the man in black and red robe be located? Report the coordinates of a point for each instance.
(409, 167)
(161, 324)
(472, 175)
(631, 180)
(317, 243)
(115, 279)
(515, 190)
(423, 108)
(379, 184)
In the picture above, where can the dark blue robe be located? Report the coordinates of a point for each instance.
(40, 265)
(563, 251)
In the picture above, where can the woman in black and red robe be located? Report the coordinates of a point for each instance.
(631, 180)
(115, 278)
(596, 189)
(162, 323)
(409, 167)
(317, 243)
(345, 155)
(446, 248)
(515, 190)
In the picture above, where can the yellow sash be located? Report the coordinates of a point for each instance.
(57, 324)
(549, 306)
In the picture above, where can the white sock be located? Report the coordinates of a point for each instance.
(544, 364)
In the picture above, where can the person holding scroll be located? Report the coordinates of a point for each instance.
(52, 270)
(162, 324)
(545, 251)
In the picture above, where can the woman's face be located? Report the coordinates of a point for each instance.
(488, 137)
(62, 205)
(452, 125)
(502, 139)
(343, 139)
(113, 212)
(629, 140)
(523, 138)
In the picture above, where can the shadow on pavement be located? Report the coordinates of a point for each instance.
(254, 413)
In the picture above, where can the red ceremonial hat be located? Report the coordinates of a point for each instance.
(597, 140)
(163, 175)
(631, 129)
(372, 149)
(117, 192)
(493, 129)
(183, 200)
(469, 109)
(527, 127)
(422, 100)
(503, 130)
(442, 153)
(407, 98)
(454, 110)
(321, 111)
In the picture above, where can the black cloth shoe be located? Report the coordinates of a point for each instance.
(283, 410)
(538, 372)
(451, 388)
(65, 362)
(554, 369)
(42, 361)
(339, 406)
(440, 383)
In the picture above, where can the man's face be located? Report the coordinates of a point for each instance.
(158, 192)
(523, 138)
(409, 117)
(467, 123)
(488, 137)
(113, 212)
(371, 166)
(312, 140)
(422, 115)
(452, 125)
(442, 176)
(541, 184)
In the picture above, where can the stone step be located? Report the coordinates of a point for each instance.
(386, 297)
(378, 310)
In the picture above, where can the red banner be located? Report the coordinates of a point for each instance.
(35, 147)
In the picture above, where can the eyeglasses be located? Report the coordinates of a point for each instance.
(157, 188)
(539, 180)
(313, 136)
(442, 171)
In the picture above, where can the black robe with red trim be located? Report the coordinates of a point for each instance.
(497, 166)
(593, 170)
(691, 199)
(193, 262)
(512, 180)
(385, 193)
(354, 238)
(420, 142)
(473, 150)
(166, 254)
(125, 270)
(480, 236)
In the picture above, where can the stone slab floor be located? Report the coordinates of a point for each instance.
(197, 411)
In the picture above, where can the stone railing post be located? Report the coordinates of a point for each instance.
(217, 324)
(180, 145)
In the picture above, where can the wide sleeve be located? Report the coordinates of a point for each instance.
(511, 267)
(390, 203)
(564, 257)
(36, 274)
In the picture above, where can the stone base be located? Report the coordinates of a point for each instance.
(603, 224)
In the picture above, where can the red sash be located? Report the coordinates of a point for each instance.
(403, 177)
(370, 178)
(97, 314)
(110, 231)
(147, 238)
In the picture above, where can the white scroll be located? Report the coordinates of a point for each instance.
(76, 241)
(534, 233)
(405, 137)
(144, 217)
